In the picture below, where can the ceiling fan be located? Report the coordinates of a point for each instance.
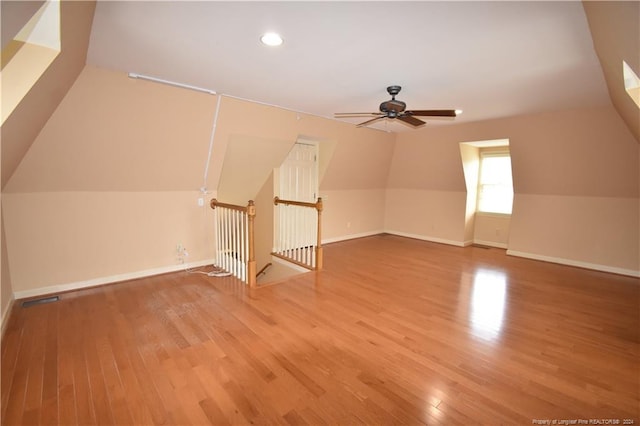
(395, 109)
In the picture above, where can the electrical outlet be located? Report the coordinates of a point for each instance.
(181, 253)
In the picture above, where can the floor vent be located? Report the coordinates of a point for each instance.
(40, 301)
(482, 246)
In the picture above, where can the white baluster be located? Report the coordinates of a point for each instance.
(244, 246)
(227, 243)
(235, 243)
(216, 218)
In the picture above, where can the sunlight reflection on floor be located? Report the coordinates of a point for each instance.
(488, 303)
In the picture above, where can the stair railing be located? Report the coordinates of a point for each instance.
(299, 232)
(235, 239)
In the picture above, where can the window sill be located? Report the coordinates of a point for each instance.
(491, 214)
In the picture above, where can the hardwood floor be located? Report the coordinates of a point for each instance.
(393, 331)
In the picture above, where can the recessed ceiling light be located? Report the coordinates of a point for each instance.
(458, 111)
(271, 39)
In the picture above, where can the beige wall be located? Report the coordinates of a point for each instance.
(352, 213)
(114, 133)
(58, 239)
(595, 232)
(14, 15)
(614, 29)
(470, 157)
(432, 215)
(248, 162)
(110, 185)
(353, 165)
(264, 223)
(6, 290)
(492, 229)
(353, 188)
(576, 170)
(23, 125)
(587, 152)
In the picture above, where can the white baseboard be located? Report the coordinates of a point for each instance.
(579, 264)
(5, 316)
(175, 268)
(430, 239)
(110, 279)
(490, 244)
(351, 236)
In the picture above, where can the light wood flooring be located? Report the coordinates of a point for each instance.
(393, 331)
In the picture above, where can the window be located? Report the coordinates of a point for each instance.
(631, 83)
(495, 185)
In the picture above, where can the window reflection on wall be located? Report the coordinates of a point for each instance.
(488, 303)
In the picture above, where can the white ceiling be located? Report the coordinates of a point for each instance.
(490, 59)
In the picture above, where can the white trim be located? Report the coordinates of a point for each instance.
(5, 316)
(175, 268)
(501, 151)
(577, 263)
(430, 239)
(110, 279)
(504, 143)
(491, 244)
(290, 265)
(494, 214)
(351, 236)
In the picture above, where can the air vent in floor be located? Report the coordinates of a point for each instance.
(40, 301)
(482, 246)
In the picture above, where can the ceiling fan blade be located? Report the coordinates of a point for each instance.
(356, 114)
(415, 122)
(366, 123)
(432, 112)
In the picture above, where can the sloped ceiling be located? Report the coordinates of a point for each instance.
(25, 122)
(114, 133)
(615, 28)
(14, 14)
(490, 59)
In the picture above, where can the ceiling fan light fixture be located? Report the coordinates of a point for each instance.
(458, 111)
(271, 39)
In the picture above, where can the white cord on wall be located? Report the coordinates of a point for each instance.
(213, 134)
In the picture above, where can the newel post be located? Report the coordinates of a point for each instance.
(251, 265)
(319, 256)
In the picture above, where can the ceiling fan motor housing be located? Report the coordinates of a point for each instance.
(392, 106)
